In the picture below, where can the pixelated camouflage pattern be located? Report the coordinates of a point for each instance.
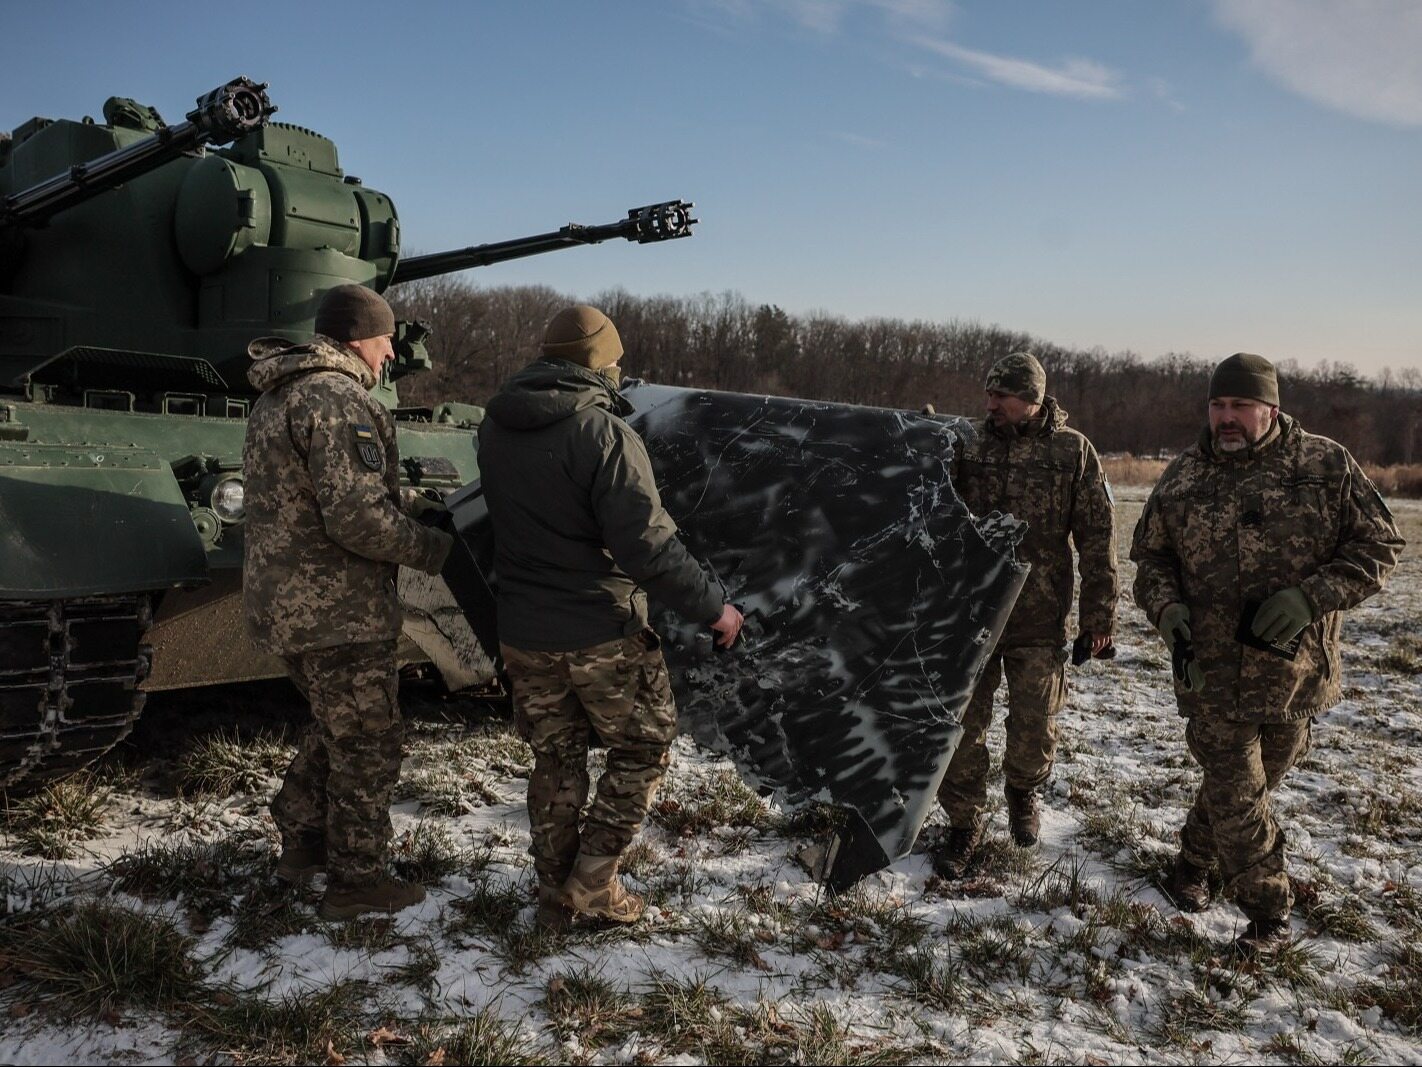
(1223, 530)
(1231, 819)
(338, 788)
(619, 690)
(1036, 694)
(1020, 375)
(1051, 477)
(326, 524)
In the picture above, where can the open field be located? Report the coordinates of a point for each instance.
(143, 925)
(1400, 479)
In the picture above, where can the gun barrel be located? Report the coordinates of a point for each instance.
(654, 222)
(221, 116)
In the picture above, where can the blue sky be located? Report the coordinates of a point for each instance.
(1154, 176)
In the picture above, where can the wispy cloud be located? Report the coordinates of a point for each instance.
(827, 16)
(858, 140)
(1084, 78)
(1363, 58)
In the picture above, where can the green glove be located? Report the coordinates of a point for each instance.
(1174, 617)
(1283, 616)
(1174, 626)
(425, 507)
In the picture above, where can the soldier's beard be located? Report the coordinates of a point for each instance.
(1233, 444)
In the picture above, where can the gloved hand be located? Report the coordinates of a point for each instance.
(1283, 616)
(422, 504)
(1174, 617)
(1174, 626)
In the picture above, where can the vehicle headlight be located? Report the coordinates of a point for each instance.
(228, 499)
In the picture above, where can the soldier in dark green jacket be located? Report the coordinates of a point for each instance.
(327, 528)
(1023, 460)
(1257, 516)
(580, 539)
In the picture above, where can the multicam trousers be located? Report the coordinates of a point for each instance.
(1231, 821)
(621, 691)
(1036, 693)
(338, 788)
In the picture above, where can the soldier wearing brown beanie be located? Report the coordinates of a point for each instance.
(581, 538)
(327, 527)
(1252, 545)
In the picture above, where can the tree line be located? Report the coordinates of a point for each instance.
(1122, 401)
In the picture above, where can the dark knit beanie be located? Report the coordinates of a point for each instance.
(583, 335)
(1018, 375)
(1246, 375)
(354, 313)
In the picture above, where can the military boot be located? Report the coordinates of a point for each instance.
(1189, 886)
(300, 863)
(554, 915)
(382, 894)
(955, 855)
(1264, 937)
(1024, 815)
(594, 889)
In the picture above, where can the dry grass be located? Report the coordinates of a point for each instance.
(1398, 479)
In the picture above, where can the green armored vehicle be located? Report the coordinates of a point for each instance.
(135, 266)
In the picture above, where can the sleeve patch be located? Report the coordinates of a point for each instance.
(368, 447)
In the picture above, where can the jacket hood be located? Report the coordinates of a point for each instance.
(275, 359)
(1288, 427)
(549, 390)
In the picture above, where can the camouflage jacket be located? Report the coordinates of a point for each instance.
(1222, 531)
(579, 527)
(1049, 476)
(326, 525)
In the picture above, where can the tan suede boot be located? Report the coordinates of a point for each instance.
(595, 890)
(382, 894)
(554, 915)
(298, 864)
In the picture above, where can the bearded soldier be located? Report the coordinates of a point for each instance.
(579, 534)
(1251, 546)
(327, 528)
(1023, 460)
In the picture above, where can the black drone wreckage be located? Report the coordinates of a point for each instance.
(872, 599)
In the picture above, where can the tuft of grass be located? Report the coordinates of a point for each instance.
(224, 763)
(490, 907)
(427, 853)
(681, 1012)
(1185, 1015)
(811, 820)
(934, 983)
(203, 873)
(993, 948)
(98, 957)
(1131, 844)
(1064, 884)
(1340, 914)
(721, 800)
(52, 822)
(301, 1027)
(448, 790)
(480, 1039)
(585, 1006)
(267, 912)
(1398, 993)
(728, 933)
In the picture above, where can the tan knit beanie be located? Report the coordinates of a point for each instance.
(583, 335)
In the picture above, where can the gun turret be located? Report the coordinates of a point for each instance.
(655, 222)
(223, 115)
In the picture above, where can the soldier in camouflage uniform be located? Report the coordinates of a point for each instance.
(579, 533)
(327, 527)
(1258, 517)
(1023, 460)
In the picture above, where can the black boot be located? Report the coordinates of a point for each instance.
(955, 855)
(1024, 815)
(1189, 886)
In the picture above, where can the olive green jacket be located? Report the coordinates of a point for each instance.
(1221, 531)
(326, 528)
(579, 527)
(1049, 476)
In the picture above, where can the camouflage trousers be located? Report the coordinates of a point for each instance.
(338, 788)
(1231, 821)
(620, 691)
(1036, 693)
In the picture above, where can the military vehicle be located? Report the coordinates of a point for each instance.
(137, 260)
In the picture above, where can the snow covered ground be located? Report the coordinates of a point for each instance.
(162, 937)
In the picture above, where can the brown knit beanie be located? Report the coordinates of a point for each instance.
(583, 335)
(1246, 375)
(354, 313)
(1018, 375)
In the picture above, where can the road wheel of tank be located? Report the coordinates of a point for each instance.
(69, 675)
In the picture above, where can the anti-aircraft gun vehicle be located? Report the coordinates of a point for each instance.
(136, 263)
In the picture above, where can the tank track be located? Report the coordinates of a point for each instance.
(69, 676)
